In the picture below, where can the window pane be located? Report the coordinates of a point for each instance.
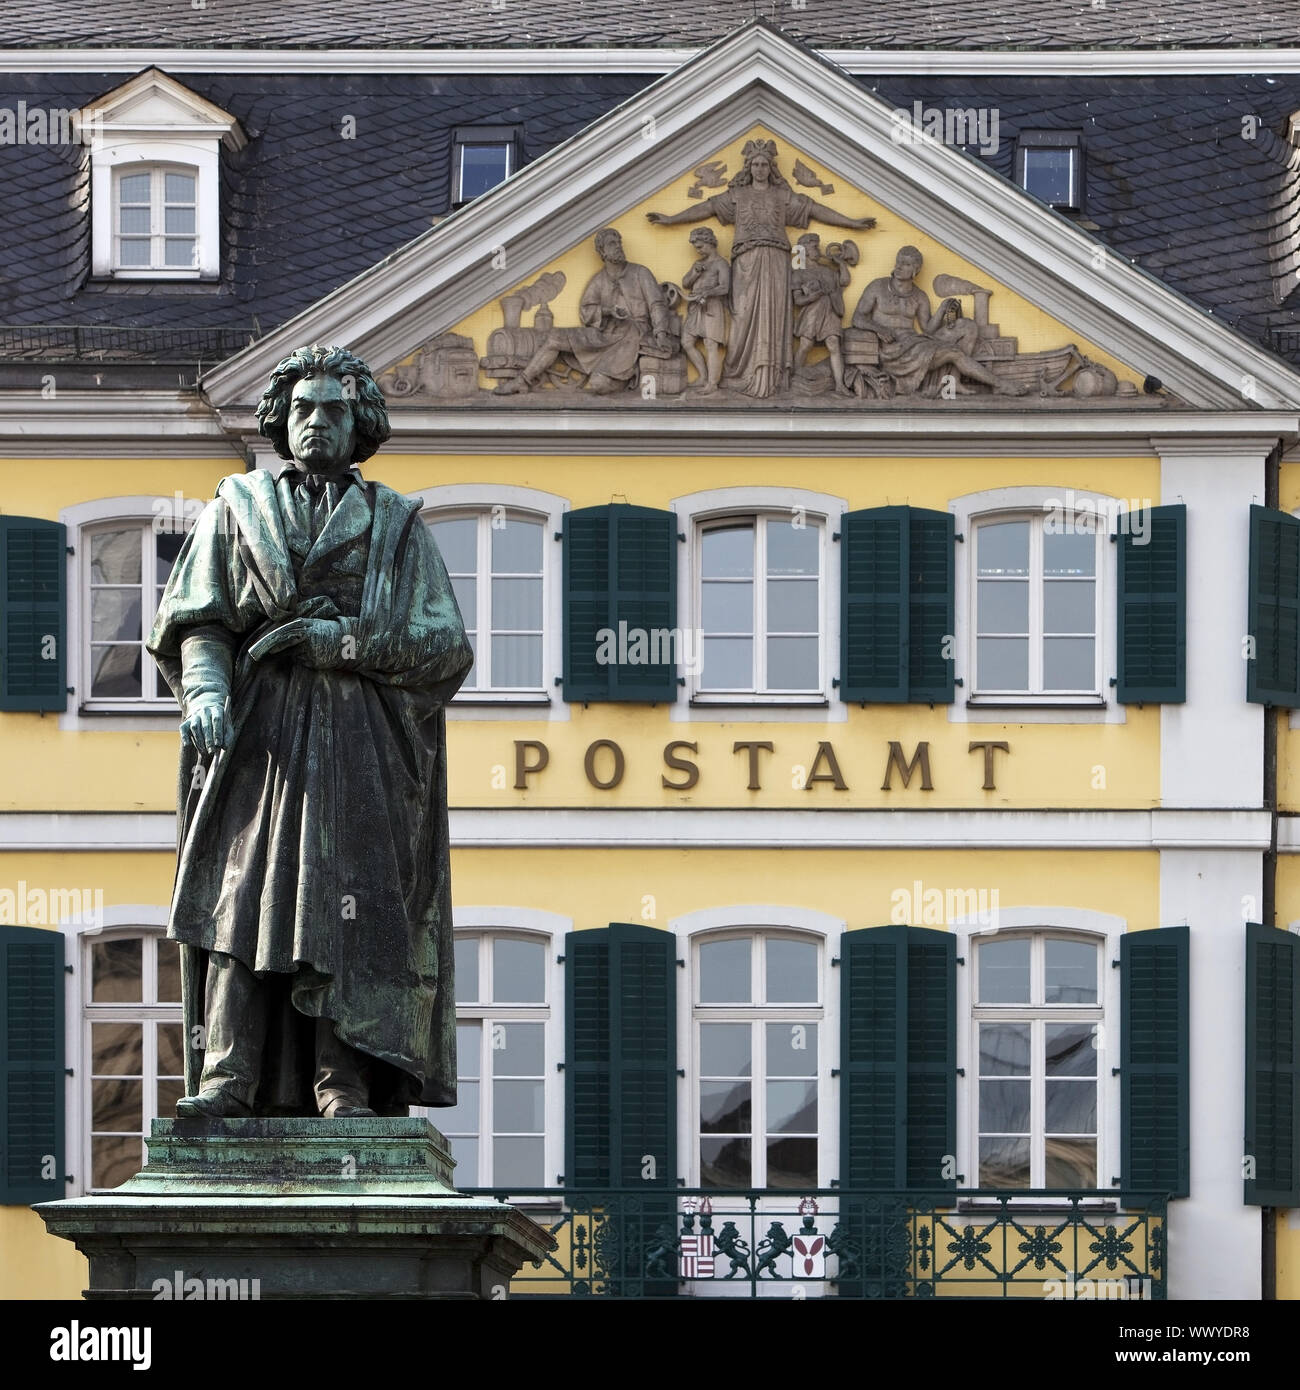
(116, 1049)
(725, 975)
(728, 553)
(727, 607)
(517, 1049)
(792, 1163)
(167, 546)
(792, 549)
(133, 221)
(1004, 548)
(727, 663)
(134, 253)
(115, 615)
(169, 1092)
(517, 1107)
(1004, 1107)
(792, 1107)
(457, 542)
(466, 969)
(516, 661)
(117, 1105)
(1004, 1049)
(1003, 663)
(115, 971)
(178, 221)
(725, 1049)
(1004, 605)
(115, 673)
(464, 1152)
(1071, 1107)
(1070, 605)
(1069, 664)
(482, 167)
(791, 971)
(169, 971)
(1004, 1162)
(726, 1107)
(461, 1118)
(725, 1162)
(518, 971)
(516, 603)
(134, 188)
(1071, 968)
(1004, 971)
(1070, 1163)
(792, 1049)
(1047, 175)
(113, 1160)
(792, 605)
(178, 188)
(517, 547)
(115, 557)
(179, 252)
(1071, 1049)
(171, 1057)
(465, 587)
(518, 1163)
(469, 1041)
(792, 663)
(1068, 554)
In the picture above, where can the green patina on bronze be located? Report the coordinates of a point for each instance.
(310, 633)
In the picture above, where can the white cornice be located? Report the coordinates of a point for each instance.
(109, 422)
(1098, 62)
(756, 76)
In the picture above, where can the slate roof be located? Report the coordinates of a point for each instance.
(673, 23)
(1171, 182)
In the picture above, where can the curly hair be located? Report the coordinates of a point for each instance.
(753, 149)
(369, 410)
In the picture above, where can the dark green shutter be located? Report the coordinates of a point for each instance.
(621, 1063)
(1154, 1041)
(931, 1058)
(898, 1058)
(31, 1081)
(931, 589)
(620, 566)
(1273, 620)
(896, 605)
(1152, 613)
(1272, 1066)
(33, 614)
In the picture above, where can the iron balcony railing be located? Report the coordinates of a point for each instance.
(106, 343)
(972, 1243)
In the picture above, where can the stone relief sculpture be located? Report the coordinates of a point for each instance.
(758, 320)
(761, 205)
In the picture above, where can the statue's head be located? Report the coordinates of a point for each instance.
(609, 246)
(907, 264)
(703, 240)
(323, 409)
(759, 158)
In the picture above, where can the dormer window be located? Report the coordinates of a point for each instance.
(1049, 164)
(482, 157)
(155, 180)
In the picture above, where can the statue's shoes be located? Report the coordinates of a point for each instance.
(215, 1104)
(341, 1110)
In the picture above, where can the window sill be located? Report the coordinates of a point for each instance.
(151, 274)
(538, 699)
(1103, 1205)
(765, 701)
(137, 707)
(1036, 702)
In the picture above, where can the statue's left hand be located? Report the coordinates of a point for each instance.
(866, 223)
(321, 643)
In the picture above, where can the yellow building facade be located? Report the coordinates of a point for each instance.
(771, 803)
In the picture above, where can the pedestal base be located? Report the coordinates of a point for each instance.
(302, 1208)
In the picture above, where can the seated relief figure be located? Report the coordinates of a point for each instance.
(624, 313)
(892, 307)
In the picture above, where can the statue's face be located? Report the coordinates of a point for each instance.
(610, 250)
(906, 267)
(760, 167)
(321, 429)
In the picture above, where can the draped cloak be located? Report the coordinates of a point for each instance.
(315, 847)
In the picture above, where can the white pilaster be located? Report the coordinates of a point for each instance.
(1214, 1239)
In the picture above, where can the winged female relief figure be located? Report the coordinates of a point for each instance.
(761, 205)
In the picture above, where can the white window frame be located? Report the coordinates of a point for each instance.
(158, 236)
(1066, 922)
(695, 513)
(444, 503)
(549, 929)
(1069, 141)
(468, 138)
(972, 707)
(80, 933)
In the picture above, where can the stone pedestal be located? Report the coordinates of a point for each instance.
(301, 1208)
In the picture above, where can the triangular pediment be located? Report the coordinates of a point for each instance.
(152, 103)
(507, 306)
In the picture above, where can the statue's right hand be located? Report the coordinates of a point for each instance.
(208, 728)
(655, 217)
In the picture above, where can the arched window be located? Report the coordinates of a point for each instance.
(155, 217)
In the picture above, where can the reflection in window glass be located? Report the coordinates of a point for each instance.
(725, 972)
(126, 572)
